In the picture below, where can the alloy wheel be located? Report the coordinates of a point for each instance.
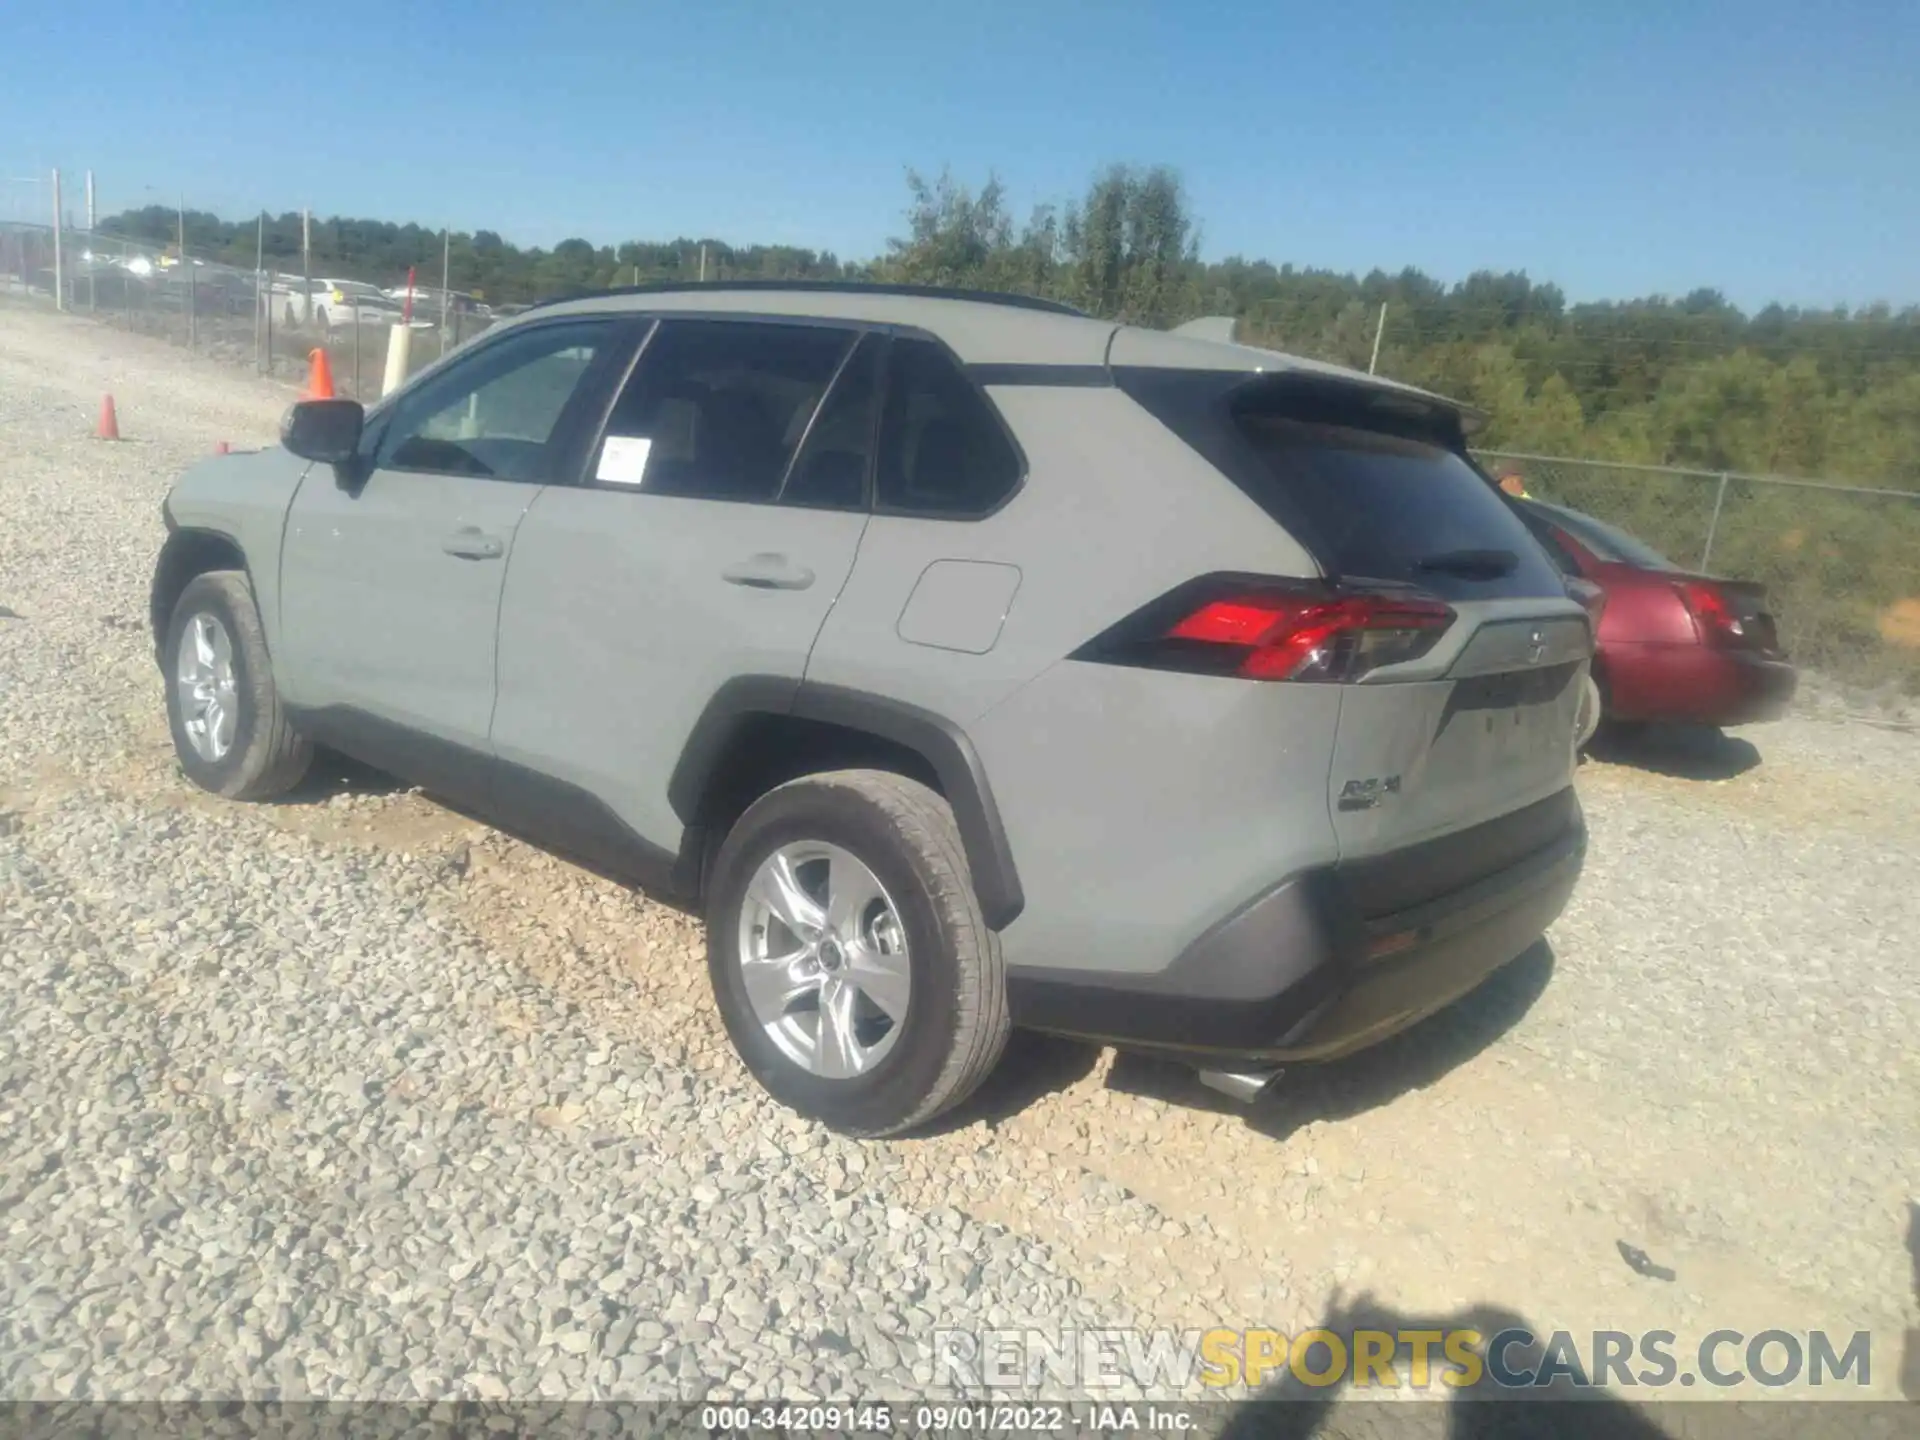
(823, 957)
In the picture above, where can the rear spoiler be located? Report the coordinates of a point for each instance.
(1220, 329)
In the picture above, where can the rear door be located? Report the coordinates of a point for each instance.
(712, 529)
(1482, 724)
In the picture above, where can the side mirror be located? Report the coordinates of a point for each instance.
(326, 432)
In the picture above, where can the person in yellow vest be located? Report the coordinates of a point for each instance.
(1514, 484)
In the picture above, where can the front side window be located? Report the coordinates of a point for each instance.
(717, 409)
(942, 449)
(495, 414)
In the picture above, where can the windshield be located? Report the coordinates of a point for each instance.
(1608, 542)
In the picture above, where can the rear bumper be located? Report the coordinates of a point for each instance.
(1316, 967)
(1692, 683)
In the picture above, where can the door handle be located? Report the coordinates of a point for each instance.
(471, 543)
(768, 572)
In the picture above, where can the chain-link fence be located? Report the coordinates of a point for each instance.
(270, 320)
(1841, 563)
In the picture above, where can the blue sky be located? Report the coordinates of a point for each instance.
(1622, 148)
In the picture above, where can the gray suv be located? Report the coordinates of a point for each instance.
(971, 662)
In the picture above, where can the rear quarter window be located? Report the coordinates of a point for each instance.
(944, 452)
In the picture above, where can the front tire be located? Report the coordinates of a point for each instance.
(851, 965)
(229, 728)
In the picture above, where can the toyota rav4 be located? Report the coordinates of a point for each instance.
(972, 663)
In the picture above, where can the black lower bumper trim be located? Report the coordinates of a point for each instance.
(1334, 980)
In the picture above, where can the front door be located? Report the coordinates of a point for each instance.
(390, 579)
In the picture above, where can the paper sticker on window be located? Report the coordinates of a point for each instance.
(623, 459)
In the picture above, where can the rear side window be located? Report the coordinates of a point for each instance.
(831, 468)
(717, 409)
(943, 451)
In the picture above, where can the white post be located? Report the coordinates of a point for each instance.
(1379, 329)
(59, 261)
(399, 348)
(306, 266)
(89, 203)
(446, 295)
(703, 264)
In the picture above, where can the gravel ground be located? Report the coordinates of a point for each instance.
(351, 1097)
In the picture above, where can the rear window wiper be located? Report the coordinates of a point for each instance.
(1471, 564)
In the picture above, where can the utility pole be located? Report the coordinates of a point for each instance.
(262, 292)
(59, 261)
(703, 263)
(1379, 329)
(446, 294)
(93, 260)
(180, 234)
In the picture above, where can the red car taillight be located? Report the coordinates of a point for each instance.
(1275, 632)
(1715, 619)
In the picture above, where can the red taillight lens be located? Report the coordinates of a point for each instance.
(1715, 618)
(1312, 637)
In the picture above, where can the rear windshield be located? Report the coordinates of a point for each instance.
(1370, 481)
(1392, 507)
(1607, 542)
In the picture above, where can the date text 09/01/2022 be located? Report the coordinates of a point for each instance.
(936, 1419)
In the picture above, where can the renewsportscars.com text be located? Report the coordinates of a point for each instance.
(1092, 1361)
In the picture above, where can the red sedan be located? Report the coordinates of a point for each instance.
(1674, 645)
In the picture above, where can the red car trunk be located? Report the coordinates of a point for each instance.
(1673, 645)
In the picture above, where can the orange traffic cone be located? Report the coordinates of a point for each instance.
(319, 376)
(109, 427)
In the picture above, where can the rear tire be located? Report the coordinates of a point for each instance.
(911, 934)
(229, 728)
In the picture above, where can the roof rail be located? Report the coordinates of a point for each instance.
(831, 287)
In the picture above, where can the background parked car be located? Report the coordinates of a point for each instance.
(430, 302)
(331, 302)
(1674, 645)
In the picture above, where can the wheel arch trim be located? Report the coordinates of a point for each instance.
(171, 575)
(937, 740)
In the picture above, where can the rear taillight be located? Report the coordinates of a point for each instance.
(1273, 631)
(1712, 615)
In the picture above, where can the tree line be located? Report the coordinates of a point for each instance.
(1690, 381)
